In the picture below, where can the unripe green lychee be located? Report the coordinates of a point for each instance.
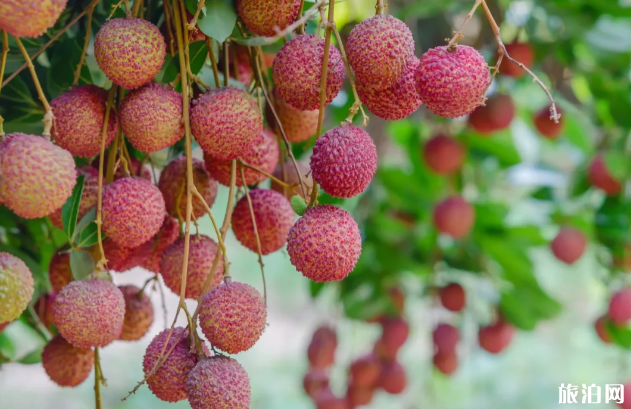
(546, 125)
(172, 184)
(263, 155)
(218, 382)
(321, 350)
(151, 117)
(601, 177)
(44, 309)
(619, 307)
(496, 115)
(446, 337)
(358, 395)
(150, 253)
(454, 217)
(443, 155)
(291, 177)
(169, 380)
(89, 197)
(201, 255)
(265, 18)
(344, 161)
(392, 378)
(30, 19)
(226, 122)
(568, 245)
(133, 211)
(233, 316)
(601, 329)
(274, 217)
(65, 364)
(298, 125)
(78, 125)
(59, 272)
(130, 51)
(16, 287)
(89, 313)
(324, 244)
(453, 297)
(496, 337)
(365, 370)
(297, 68)
(37, 176)
(452, 84)
(138, 313)
(520, 52)
(379, 50)
(315, 381)
(446, 361)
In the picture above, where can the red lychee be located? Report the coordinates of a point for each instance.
(344, 161)
(89, 197)
(324, 244)
(325, 399)
(226, 122)
(151, 117)
(16, 287)
(315, 381)
(496, 337)
(452, 83)
(446, 338)
(297, 68)
(443, 155)
(626, 404)
(78, 125)
(218, 382)
(59, 272)
(44, 309)
(321, 351)
(233, 316)
(546, 126)
(130, 51)
(601, 177)
(569, 245)
(265, 19)
(619, 307)
(32, 19)
(298, 125)
(138, 313)
(291, 177)
(454, 217)
(149, 254)
(118, 257)
(65, 364)
(3, 326)
(453, 297)
(601, 329)
(392, 378)
(365, 370)
(395, 333)
(446, 361)
(358, 395)
(496, 115)
(520, 52)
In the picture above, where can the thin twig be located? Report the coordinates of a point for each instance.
(325, 63)
(86, 43)
(193, 23)
(3, 63)
(226, 61)
(379, 7)
(136, 8)
(212, 218)
(213, 61)
(167, 19)
(98, 377)
(262, 172)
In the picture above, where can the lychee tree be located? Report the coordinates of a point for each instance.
(154, 104)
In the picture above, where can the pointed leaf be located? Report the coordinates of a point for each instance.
(70, 209)
(219, 20)
(81, 264)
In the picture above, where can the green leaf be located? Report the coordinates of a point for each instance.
(500, 145)
(7, 348)
(315, 288)
(18, 105)
(219, 20)
(88, 230)
(513, 309)
(197, 52)
(81, 264)
(70, 210)
(33, 357)
(619, 335)
(65, 57)
(617, 164)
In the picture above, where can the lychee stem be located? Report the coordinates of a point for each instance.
(325, 62)
(226, 61)
(379, 7)
(213, 61)
(167, 19)
(212, 218)
(3, 63)
(98, 378)
(86, 43)
(193, 23)
(137, 5)
(266, 174)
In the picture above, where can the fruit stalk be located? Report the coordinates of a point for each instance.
(3, 63)
(193, 23)
(213, 61)
(98, 378)
(262, 172)
(136, 7)
(86, 43)
(325, 62)
(378, 8)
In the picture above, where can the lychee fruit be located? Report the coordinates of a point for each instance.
(344, 161)
(30, 19)
(619, 307)
(392, 378)
(452, 84)
(201, 255)
(59, 272)
(365, 370)
(233, 316)
(263, 155)
(520, 52)
(130, 51)
(150, 253)
(321, 350)
(496, 337)
(568, 245)
(89, 197)
(379, 50)
(218, 382)
(297, 68)
(133, 211)
(395, 333)
(118, 257)
(446, 361)
(454, 217)
(443, 155)
(44, 309)
(89, 313)
(315, 381)
(496, 115)
(546, 125)
(626, 403)
(446, 337)
(453, 297)
(3, 326)
(37, 176)
(384, 351)
(266, 19)
(65, 364)
(274, 217)
(138, 313)
(172, 184)
(298, 125)
(78, 125)
(601, 329)
(325, 399)
(395, 102)
(169, 379)
(16, 287)
(151, 117)
(291, 177)
(324, 244)
(358, 395)
(599, 176)
(226, 122)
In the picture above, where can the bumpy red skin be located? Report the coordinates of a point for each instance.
(298, 125)
(324, 244)
(264, 18)
(446, 337)
(133, 211)
(169, 380)
(344, 161)
(138, 313)
(393, 378)
(202, 253)
(454, 217)
(31, 19)
(379, 50)
(151, 117)
(78, 125)
(297, 68)
(443, 155)
(149, 254)
(263, 155)
(226, 122)
(172, 184)
(452, 84)
(89, 197)
(89, 313)
(59, 272)
(546, 126)
(396, 102)
(496, 115)
(446, 361)
(315, 381)
(130, 51)
(600, 177)
(601, 330)
(16, 287)
(65, 364)
(118, 257)
(293, 178)
(496, 337)
(38, 177)
(218, 382)
(44, 309)
(569, 245)
(274, 217)
(365, 370)
(233, 316)
(620, 307)
(520, 52)
(453, 297)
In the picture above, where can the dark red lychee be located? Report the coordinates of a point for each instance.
(365, 370)
(454, 216)
(44, 309)
(315, 381)
(218, 382)
(453, 297)
(546, 125)
(601, 329)
(601, 177)
(446, 338)
(620, 307)
(443, 155)
(358, 395)
(65, 364)
(569, 245)
(395, 333)
(325, 399)
(496, 115)
(496, 337)
(446, 361)
(149, 254)
(59, 272)
(321, 351)
(392, 379)
(138, 313)
(521, 52)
